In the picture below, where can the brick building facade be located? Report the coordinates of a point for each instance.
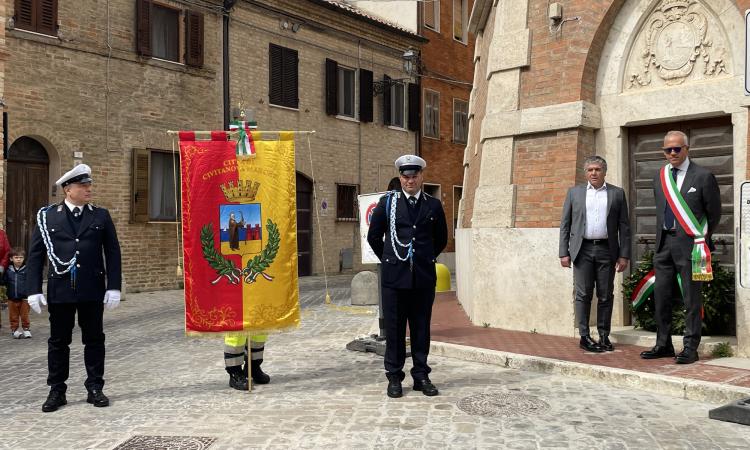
(102, 82)
(609, 77)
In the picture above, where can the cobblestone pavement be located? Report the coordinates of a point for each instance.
(162, 383)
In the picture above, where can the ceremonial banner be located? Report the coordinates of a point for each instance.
(367, 204)
(239, 224)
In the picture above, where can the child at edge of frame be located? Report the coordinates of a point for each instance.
(14, 279)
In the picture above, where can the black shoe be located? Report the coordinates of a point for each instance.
(426, 386)
(605, 344)
(658, 351)
(259, 377)
(590, 345)
(97, 398)
(238, 380)
(686, 356)
(394, 388)
(55, 399)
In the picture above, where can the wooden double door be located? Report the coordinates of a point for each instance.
(26, 189)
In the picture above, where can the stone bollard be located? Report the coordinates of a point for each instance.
(365, 288)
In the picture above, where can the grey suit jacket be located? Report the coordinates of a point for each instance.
(573, 222)
(701, 192)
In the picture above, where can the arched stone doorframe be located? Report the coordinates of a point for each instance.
(52, 145)
(710, 98)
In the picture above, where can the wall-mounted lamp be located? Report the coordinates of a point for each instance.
(412, 66)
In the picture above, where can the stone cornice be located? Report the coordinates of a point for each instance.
(580, 114)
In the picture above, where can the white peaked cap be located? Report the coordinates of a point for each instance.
(78, 174)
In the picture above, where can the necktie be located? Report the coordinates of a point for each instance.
(668, 214)
(77, 213)
(412, 201)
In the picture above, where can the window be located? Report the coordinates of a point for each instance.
(431, 14)
(39, 16)
(155, 187)
(346, 91)
(460, 121)
(282, 76)
(432, 190)
(158, 33)
(398, 105)
(431, 114)
(460, 19)
(165, 33)
(346, 202)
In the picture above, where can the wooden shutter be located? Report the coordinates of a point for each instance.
(139, 194)
(387, 100)
(143, 27)
(332, 88)
(275, 83)
(365, 95)
(25, 14)
(414, 110)
(47, 17)
(194, 39)
(290, 78)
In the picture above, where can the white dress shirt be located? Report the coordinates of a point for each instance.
(681, 172)
(406, 196)
(596, 212)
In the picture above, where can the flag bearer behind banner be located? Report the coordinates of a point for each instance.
(413, 224)
(236, 349)
(76, 238)
(688, 209)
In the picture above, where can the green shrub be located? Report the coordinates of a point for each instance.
(718, 301)
(722, 350)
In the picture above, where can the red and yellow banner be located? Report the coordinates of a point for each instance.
(239, 225)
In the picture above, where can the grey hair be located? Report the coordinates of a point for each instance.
(677, 133)
(595, 160)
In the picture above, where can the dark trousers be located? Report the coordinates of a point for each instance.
(594, 267)
(62, 320)
(399, 307)
(674, 258)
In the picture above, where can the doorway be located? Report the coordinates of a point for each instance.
(27, 188)
(304, 225)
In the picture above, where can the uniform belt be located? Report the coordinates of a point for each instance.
(596, 241)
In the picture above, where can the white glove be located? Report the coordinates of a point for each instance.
(35, 302)
(112, 299)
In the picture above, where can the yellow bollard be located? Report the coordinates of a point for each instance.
(443, 278)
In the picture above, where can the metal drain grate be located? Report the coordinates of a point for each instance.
(502, 404)
(166, 443)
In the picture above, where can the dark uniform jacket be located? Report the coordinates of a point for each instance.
(701, 193)
(15, 282)
(429, 233)
(93, 244)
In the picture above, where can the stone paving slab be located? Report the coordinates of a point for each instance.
(162, 383)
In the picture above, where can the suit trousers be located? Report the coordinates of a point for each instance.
(399, 307)
(62, 320)
(674, 258)
(594, 267)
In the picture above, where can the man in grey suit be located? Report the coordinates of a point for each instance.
(700, 191)
(595, 237)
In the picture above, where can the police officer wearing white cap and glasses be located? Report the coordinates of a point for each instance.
(413, 225)
(79, 242)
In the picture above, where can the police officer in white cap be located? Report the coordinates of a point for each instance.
(413, 225)
(79, 242)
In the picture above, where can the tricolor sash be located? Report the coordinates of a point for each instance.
(701, 255)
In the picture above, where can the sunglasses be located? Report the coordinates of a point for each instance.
(672, 149)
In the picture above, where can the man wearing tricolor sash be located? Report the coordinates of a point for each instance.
(688, 209)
